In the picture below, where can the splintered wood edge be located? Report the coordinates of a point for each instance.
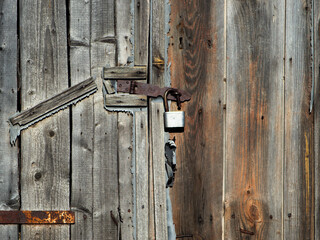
(126, 100)
(116, 73)
(69, 95)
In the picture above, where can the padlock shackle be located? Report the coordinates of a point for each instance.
(165, 98)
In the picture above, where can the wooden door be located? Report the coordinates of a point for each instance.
(93, 158)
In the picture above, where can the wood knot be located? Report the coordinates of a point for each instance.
(254, 212)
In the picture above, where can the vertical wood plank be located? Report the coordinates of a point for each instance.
(196, 53)
(158, 167)
(82, 122)
(299, 135)
(316, 109)
(141, 32)
(45, 146)
(123, 30)
(125, 124)
(105, 161)
(9, 176)
(158, 219)
(142, 202)
(254, 135)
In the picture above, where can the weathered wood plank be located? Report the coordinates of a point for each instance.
(158, 168)
(157, 204)
(123, 31)
(45, 147)
(125, 124)
(82, 124)
(316, 109)
(9, 176)
(142, 151)
(254, 119)
(116, 73)
(105, 163)
(126, 100)
(299, 136)
(196, 54)
(50, 105)
(141, 32)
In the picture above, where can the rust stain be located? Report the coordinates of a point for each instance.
(307, 172)
(158, 62)
(37, 217)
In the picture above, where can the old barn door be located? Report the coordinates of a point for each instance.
(93, 158)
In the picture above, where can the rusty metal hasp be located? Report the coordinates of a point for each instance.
(150, 90)
(37, 217)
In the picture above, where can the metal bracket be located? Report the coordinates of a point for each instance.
(37, 217)
(149, 90)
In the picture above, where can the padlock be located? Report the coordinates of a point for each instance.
(173, 119)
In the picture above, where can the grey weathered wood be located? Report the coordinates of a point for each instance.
(254, 120)
(157, 210)
(50, 105)
(142, 149)
(316, 109)
(158, 161)
(9, 176)
(108, 86)
(299, 156)
(141, 32)
(105, 163)
(82, 124)
(126, 100)
(45, 147)
(125, 123)
(123, 31)
(116, 73)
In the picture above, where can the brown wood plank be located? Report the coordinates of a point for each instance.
(126, 100)
(105, 142)
(116, 73)
(82, 124)
(49, 105)
(142, 153)
(125, 131)
(141, 32)
(255, 119)
(45, 179)
(196, 53)
(9, 176)
(299, 163)
(316, 109)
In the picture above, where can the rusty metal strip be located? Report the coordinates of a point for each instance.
(150, 90)
(37, 217)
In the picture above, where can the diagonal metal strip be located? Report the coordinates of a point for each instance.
(37, 217)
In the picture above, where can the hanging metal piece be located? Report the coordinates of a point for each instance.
(134, 87)
(170, 153)
(37, 217)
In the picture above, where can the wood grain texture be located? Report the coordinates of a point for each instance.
(105, 163)
(254, 137)
(116, 73)
(82, 124)
(158, 168)
(126, 100)
(196, 53)
(9, 176)
(55, 102)
(299, 172)
(125, 134)
(316, 109)
(142, 157)
(124, 36)
(141, 32)
(45, 146)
